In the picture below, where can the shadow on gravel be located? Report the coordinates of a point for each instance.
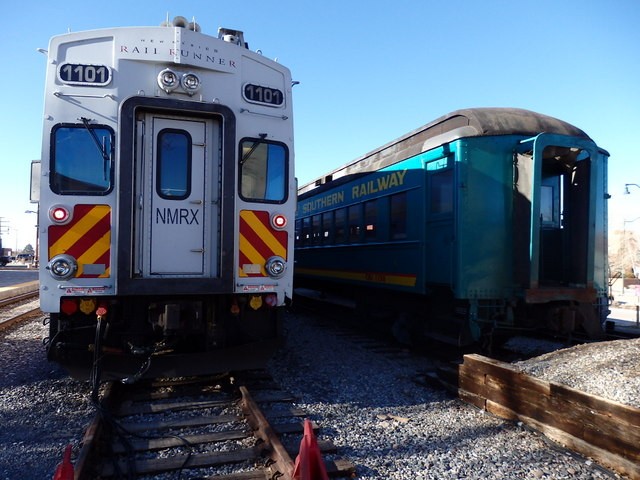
(27, 361)
(38, 418)
(370, 404)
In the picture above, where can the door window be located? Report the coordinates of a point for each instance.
(441, 200)
(173, 180)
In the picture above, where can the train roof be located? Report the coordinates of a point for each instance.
(468, 122)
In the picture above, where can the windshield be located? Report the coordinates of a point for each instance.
(263, 171)
(81, 159)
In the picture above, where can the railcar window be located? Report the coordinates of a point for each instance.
(315, 230)
(398, 213)
(173, 178)
(306, 230)
(263, 171)
(81, 159)
(370, 220)
(551, 201)
(441, 191)
(298, 230)
(341, 223)
(546, 204)
(354, 223)
(327, 224)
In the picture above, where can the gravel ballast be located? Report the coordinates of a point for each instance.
(41, 409)
(607, 369)
(394, 428)
(370, 403)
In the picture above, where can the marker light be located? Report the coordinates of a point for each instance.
(190, 83)
(271, 300)
(59, 214)
(276, 267)
(278, 221)
(255, 302)
(235, 309)
(62, 267)
(88, 305)
(168, 80)
(68, 306)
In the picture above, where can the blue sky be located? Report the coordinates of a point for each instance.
(370, 71)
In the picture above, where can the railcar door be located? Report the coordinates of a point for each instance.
(439, 236)
(177, 197)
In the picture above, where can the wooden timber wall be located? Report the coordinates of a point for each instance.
(607, 431)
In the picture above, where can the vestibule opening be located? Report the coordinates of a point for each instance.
(551, 217)
(564, 216)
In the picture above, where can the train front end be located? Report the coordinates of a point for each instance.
(167, 186)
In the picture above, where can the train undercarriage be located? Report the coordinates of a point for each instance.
(416, 319)
(135, 337)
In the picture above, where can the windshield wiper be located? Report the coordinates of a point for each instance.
(101, 146)
(253, 147)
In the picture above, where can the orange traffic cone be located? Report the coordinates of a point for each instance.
(65, 468)
(309, 464)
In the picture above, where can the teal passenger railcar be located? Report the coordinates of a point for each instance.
(485, 220)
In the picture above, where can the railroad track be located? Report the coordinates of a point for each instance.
(215, 425)
(15, 315)
(18, 298)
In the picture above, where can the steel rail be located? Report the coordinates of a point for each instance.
(85, 461)
(18, 298)
(4, 324)
(282, 462)
(91, 461)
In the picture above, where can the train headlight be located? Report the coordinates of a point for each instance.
(276, 267)
(168, 80)
(62, 267)
(190, 83)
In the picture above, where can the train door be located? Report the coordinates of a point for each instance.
(439, 238)
(177, 195)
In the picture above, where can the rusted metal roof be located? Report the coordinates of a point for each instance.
(469, 122)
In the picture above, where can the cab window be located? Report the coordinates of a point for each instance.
(81, 159)
(263, 171)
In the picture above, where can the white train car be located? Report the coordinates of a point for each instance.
(167, 198)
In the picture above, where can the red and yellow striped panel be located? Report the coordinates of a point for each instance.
(258, 242)
(87, 238)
